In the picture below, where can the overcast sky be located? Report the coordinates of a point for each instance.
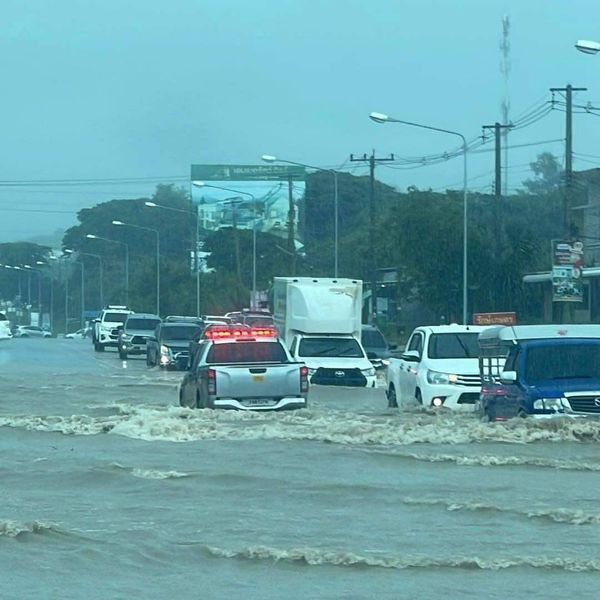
(142, 88)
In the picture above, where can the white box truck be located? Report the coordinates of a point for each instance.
(320, 322)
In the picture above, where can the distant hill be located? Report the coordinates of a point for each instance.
(53, 240)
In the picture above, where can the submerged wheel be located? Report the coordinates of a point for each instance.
(391, 396)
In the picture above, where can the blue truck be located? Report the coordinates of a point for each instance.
(539, 370)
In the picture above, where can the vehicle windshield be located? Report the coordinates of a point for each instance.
(180, 333)
(115, 317)
(246, 352)
(142, 324)
(562, 361)
(373, 338)
(330, 346)
(454, 345)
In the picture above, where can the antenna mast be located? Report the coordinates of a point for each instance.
(505, 70)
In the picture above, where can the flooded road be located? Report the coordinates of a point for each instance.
(110, 490)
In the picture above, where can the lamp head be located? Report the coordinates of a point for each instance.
(198, 183)
(379, 117)
(118, 223)
(91, 236)
(268, 158)
(587, 46)
(151, 204)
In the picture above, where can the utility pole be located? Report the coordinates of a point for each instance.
(291, 226)
(497, 127)
(372, 160)
(567, 191)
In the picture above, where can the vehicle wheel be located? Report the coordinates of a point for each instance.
(391, 396)
(98, 347)
(418, 397)
(148, 361)
(23, 335)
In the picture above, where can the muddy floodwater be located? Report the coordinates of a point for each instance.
(110, 490)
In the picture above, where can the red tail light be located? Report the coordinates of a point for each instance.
(304, 379)
(211, 376)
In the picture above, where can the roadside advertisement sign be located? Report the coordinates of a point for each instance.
(256, 196)
(495, 318)
(567, 270)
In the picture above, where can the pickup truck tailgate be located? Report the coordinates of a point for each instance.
(257, 381)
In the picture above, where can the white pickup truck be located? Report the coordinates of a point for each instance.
(439, 367)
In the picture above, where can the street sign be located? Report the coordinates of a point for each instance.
(246, 172)
(495, 318)
(567, 271)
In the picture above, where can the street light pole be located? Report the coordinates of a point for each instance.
(39, 274)
(100, 272)
(218, 187)
(270, 159)
(383, 118)
(120, 223)
(196, 258)
(92, 236)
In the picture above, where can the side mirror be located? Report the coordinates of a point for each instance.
(412, 356)
(508, 377)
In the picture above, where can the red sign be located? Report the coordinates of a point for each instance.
(495, 318)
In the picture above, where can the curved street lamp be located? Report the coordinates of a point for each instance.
(201, 184)
(197, 263)
(587, 46)
(384, 118)
(271, 159)
(91, 236)
(155, 231)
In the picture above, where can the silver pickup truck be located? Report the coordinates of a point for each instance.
(245, 369)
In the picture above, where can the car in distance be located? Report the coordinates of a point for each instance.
(31, 331)
(107, 326)
(5, 331)
(138, 327)
(169, 346)
(376, 346)
(79, 334)
(242, 368)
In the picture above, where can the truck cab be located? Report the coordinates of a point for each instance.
(540, 371)
(333, 360)
(439, 368)
(108, 325)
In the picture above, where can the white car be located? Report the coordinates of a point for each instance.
(5, 332)
(79, 334)
(31, 331)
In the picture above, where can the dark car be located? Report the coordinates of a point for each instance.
(169, 346)
(376, 346)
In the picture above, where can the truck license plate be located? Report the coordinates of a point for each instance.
(258, 377)
(259, 402)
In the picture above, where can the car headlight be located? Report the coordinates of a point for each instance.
(437, 378)
(556, 404)
(368, 372)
